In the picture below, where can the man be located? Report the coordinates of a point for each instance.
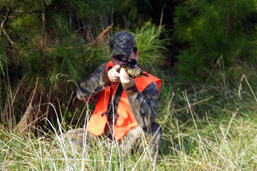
(126, 106)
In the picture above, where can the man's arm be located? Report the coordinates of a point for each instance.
(93, 84)
(144, 105)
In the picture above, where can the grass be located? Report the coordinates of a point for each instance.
(204, 128)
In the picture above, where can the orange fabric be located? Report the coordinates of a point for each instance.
(126, 120)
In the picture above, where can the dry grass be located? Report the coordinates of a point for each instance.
(227, 141)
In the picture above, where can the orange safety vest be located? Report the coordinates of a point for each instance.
(126, 120)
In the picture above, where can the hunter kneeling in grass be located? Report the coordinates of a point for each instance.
(127, 100)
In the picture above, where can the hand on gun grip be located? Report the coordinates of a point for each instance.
(113, 74)
(125, 79)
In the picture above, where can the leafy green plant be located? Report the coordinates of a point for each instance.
(206, 30)
(150, 46)
(218, 133)
(41, 39)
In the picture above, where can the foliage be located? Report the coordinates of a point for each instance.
(44, 39)
(150, 46)
(207, 30)
(218, 133)
(2, 64)
(205, 126)
(127, 12)
(38, 24)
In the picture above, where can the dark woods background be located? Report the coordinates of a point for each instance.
(47, 46)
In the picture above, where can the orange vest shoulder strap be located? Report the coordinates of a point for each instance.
(109, 64)
(143, 82)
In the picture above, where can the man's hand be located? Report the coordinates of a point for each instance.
(113, 74)
(126, 80)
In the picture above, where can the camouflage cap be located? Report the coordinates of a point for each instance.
(122, 43)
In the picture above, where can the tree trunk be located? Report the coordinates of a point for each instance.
(228, 19)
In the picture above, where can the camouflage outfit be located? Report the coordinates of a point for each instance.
(144, 106)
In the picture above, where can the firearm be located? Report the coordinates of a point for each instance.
(132, 72)
(130, 67)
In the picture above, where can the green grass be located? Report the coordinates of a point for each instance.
(204, 128)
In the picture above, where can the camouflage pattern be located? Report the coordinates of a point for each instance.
(122, 43)
(93, 84)
(132, 72)
(145, 141)
(144, 106)
(81, 137)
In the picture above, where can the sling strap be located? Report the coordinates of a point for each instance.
(115, 101)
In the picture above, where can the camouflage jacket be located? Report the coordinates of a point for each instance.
(144, 105)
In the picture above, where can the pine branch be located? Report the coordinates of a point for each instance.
(26, 12)
(243, 14)
(100, 37)
(8, 12)
(160, 26)
(6, 17)
(8, 37)
(40, 11)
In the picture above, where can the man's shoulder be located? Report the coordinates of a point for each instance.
(104, 63)
(149, 78)
(151, 82)
(101, 67)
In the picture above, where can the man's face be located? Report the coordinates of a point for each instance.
(131, 56)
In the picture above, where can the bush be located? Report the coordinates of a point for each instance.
(207, 30)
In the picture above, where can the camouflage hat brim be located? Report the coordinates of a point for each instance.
(117, 51)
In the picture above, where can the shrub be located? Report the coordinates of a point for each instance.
(207, 30)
